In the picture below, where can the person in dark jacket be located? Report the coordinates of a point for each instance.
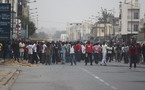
(143, 52)
(133, 52)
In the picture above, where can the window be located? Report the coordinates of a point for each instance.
(136, 15)
(136, 27)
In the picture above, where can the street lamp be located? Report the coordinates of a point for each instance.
(113, 19)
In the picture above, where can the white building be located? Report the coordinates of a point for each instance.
(63, 37)
(129, 17)
(74, 31)
(79, 31)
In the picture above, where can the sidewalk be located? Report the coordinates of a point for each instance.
(7, 77)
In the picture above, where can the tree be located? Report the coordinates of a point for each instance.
(105, 19)
(105, 16)
(31, 28)
(27, 23)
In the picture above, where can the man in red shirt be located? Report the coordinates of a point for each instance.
(78, 50)
(133, 52)
(89, 53)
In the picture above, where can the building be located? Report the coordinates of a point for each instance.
(102, 31)
(129, 18)
(79, 31)
(63, 37)
(74, 31)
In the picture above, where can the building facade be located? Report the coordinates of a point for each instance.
(79, 31)
(129, 18)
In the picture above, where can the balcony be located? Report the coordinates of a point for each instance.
(133, 19)
(134, 6)
(133, 30)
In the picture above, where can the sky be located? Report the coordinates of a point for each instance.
(58, 13)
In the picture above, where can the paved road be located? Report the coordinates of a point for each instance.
(81, 77)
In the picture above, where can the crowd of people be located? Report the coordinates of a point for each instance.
(49, 53)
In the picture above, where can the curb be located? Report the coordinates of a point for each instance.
(10, 80)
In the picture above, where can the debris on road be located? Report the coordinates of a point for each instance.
(13, 62)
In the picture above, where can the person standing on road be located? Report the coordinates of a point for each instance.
(56, 53)
(104, 52)
(78, 49)
(30, 52)
(143, 52)
(63, 50)
(89, 50)
(72, 54)
(1, 46)
(109, 53)
(83, 51)
(118, 53)
(96, 51)
(126, 60)
(15, 48)
(26, 51)
(35, 54)
(48, 53)
(21, 50)
(43, 56)
(133, 55)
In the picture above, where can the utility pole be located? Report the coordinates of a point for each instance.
(144, 26)
(12, 18)
(131, 18)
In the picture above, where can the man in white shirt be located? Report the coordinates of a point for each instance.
(43, 53)
(21, 50)
(30, 52)
(104, 52)
(35, 57)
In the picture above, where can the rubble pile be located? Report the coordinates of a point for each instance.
(13, 62)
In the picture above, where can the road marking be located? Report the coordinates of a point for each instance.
(98, 78)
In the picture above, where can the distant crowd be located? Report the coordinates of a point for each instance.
(49, 53)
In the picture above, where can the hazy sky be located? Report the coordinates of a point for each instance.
(57, 13)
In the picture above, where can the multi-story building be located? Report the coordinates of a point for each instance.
(79, 31)
(74, 31)
(129, 18)
(102, 31)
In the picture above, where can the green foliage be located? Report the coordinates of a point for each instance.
(31, 28)
(26, 22)
(105, 16)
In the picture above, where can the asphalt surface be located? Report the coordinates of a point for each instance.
(114, 76)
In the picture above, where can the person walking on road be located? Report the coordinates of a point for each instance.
(104, 52)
